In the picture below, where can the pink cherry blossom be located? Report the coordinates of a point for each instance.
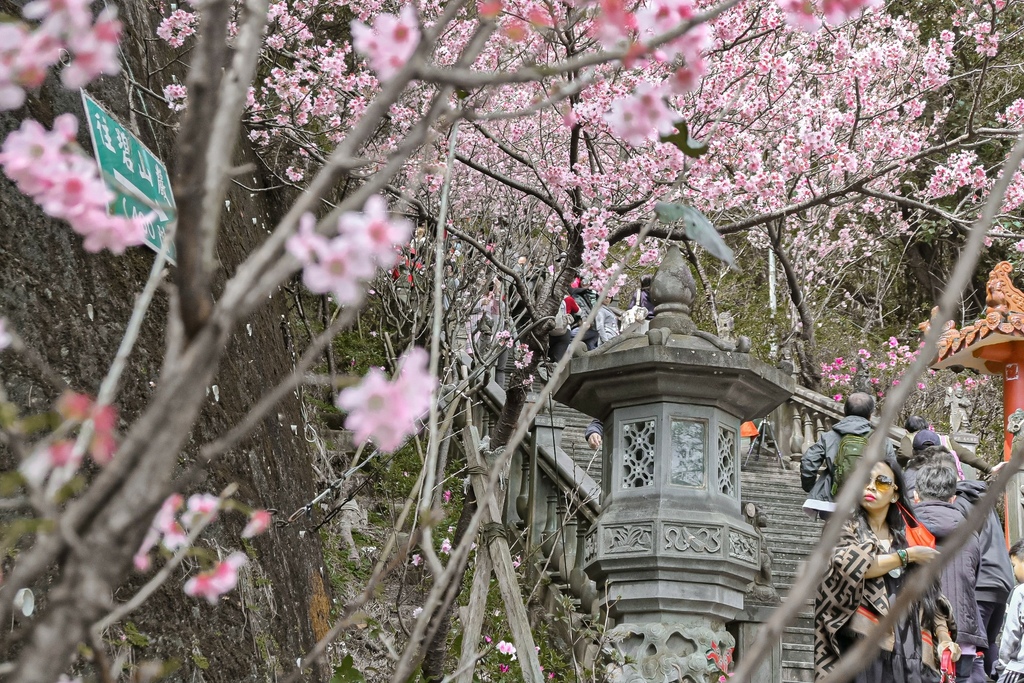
(67, 185)
(416, 560)
(259, 521)
(380, 232)
(838, 11)
(341, 267)
(800, 14)
(74, 406)
(391, 41)
(387, 411)
(306, 243)
(217, 581)
(177, 96)
(176, 27)
(642, 116)
(506, 648)
(95, 51)
(447, 496)
(200, 506)
(446, 546)
(58, 458)
(167, 525)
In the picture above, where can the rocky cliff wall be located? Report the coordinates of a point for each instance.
(72, 307)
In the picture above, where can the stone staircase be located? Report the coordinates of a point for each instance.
(791, 537)
(573, 442)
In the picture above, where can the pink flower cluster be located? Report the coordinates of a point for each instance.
(801, 13)
(216, 582)
(390, 42)
(961, 170)
(386, 411)
(642, 116)
(56, 463)
(165, 530)
(168, 528)
(26, 53)
(177, 96)
(259, 521)
(176, 27)
(523, 356)
(506, 648)
(366, 240)
(67, 185)
(79, 408)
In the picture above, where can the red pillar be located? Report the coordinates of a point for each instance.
(1009, 355)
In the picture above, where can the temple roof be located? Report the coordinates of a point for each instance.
(987, 344)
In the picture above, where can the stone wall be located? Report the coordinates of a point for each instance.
(72, 307)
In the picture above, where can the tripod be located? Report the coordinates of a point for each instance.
(765, 435)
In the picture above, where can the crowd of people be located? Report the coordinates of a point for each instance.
(576, 307)
(917, 496)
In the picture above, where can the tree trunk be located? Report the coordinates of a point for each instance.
(809, 372)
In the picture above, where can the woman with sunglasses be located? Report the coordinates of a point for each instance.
(869, 567)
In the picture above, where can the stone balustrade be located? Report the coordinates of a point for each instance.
(804, 417)
(552, 503)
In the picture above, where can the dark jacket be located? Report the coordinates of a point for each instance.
(827, 448)
(961, 574)
(595, 427)
(995, 580)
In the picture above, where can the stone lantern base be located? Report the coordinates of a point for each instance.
(666, 653)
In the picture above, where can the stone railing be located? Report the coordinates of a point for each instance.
(801, 420)
(553, 503)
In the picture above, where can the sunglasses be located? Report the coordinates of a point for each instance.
(883, 484)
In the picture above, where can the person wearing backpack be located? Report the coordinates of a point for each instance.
(586, 300)
(825, 465)
(560, 335)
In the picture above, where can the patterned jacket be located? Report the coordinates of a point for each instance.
(848, 605)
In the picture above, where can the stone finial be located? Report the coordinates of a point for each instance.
(672, 292)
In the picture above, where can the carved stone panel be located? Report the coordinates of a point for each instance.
(638, 442)
(744, 548)
(627, 538)
(696, 540)
(590, 547)
(689, 445)
(727, 461)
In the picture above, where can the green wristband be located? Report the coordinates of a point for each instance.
(904, 557)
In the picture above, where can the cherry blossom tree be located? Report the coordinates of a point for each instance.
(551, 131)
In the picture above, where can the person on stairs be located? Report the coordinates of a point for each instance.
(867, 571)
(923, 438)
(818, 475)
(933, 507)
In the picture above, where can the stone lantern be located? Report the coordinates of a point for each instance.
(671, 545)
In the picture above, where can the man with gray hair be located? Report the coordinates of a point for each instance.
(933, 497)
(822, 455)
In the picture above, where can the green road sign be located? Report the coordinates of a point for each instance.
(133, 173)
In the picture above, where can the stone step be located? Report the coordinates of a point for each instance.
(796, 637)
(797, 672)
(803, 651)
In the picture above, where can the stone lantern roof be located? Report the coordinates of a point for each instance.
(983, 345)
(674, 361)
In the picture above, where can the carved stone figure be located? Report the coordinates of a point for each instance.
(664, 653)
(861, 379)
(959, 410)
(762, 588)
